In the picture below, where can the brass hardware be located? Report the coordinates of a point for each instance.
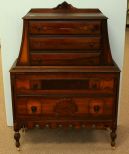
(96, 108)
(83, 126)
(60, 125)
(37, 126)
(47, 125)
(93, 126)
(33, 109)
(70, 125)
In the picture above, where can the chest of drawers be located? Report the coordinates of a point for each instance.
(64, 75)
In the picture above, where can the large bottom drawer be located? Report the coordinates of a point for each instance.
(59, 107)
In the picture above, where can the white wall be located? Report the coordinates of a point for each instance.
(12, 11)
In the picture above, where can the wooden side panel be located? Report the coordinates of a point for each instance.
(23, 58)
(106, 54)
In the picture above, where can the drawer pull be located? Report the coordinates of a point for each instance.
(60, 125)
(96, 108)
(37, 126)
(47, 125)
(39, 28)
(70, 125)
(33, 109)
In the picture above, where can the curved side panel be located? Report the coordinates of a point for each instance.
(23, 58)
(106, 55)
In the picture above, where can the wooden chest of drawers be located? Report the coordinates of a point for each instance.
(65, 75)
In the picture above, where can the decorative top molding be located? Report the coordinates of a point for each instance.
(65, 6)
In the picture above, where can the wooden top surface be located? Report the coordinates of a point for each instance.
(64, 16)
(64, 11)
(81, 69)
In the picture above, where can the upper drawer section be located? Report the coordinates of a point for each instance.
(65, 27)
(54, 84)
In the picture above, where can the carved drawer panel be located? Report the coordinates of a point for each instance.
(103, 84)
(30, 85)
(63, 107)
(62, 27)
(34, 106)
(28, 106)
(65, 43)
(101, 106)
(23, 84)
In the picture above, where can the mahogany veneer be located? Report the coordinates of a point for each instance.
(65, 75)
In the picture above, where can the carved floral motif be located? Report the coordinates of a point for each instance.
(66, 107)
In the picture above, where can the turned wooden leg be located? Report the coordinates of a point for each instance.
(113, 137)
(17, 138)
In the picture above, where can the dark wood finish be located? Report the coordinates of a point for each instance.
(65, 27)
(65, 59)
(17, 138)
(65, 42)
(71, 107)
(64, 75)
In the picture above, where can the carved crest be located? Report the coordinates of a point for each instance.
(65, 6)
(66, 107)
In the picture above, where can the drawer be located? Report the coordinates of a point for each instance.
(64, 59)
(87, 85)
(67, 42)
(65, 106)
(65, 27)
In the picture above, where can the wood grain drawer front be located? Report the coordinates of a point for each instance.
(65, 59)
(63, 107)
(28, 106)
(106, 84)
(98, 107)
(22, 84)
(88, 85)
(58, 43)
(62, 27)
(78, 106)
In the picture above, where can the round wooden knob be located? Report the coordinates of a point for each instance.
(33, 109)
(96, 108)
(39, 28)
(60, 125)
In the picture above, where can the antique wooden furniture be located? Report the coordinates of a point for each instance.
(65, 75)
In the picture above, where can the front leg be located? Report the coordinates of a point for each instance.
(17, 135)
(17, 138)
(113, 137)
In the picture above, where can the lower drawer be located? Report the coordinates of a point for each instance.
(64, 107)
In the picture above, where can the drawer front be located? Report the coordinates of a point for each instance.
(65, 107)
(65, 59)
(58, 43)
(63, 27)
(87, 85)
